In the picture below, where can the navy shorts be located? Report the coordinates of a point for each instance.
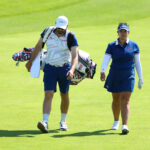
(120, 81)
(53, 74)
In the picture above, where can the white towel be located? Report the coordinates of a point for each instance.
(35, 68)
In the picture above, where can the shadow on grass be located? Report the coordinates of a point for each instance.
(23, 133)
(81, 134)
(33, 133)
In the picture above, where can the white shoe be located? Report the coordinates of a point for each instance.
(125, 129)
(115, 125)
(63, 126)
(43, 126)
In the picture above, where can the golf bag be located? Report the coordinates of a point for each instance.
(85, 68)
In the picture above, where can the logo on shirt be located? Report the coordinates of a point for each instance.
(51, 37)
(130, 49)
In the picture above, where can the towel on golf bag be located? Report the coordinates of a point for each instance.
(85, 68)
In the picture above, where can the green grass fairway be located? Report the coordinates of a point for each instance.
(90, 117)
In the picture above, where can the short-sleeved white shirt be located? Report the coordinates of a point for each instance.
(58, 52)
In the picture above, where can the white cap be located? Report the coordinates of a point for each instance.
(62, 22)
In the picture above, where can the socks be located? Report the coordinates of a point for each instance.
(116, 122)
(124, 127)
(63, 117)
(45, 117)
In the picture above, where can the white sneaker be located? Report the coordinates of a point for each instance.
(63, 126)
(125, 129)
(115, 125)
(43, 126)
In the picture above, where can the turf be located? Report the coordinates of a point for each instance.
(90, 117)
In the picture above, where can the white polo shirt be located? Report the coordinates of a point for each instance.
(58, 52)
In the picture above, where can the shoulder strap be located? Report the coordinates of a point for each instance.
(47, 34)
(70, 39)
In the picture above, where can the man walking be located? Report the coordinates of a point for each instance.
(59, 67)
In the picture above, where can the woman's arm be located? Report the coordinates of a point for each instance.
(104, 65)
(105, 62)
(138, 69)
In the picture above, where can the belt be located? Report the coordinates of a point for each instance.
(63, 65)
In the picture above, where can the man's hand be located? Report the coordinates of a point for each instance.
(140, 83)
(69, 74)
(28, 65)
(102, 76)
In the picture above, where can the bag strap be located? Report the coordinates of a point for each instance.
(47, 34)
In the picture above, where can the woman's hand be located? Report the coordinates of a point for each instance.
(102, 76)
(140, 83)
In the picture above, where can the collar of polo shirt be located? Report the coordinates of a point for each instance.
(117, 41)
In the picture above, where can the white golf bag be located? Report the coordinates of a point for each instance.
(85, 68)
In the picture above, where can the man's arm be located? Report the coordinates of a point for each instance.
(74, 53)
(34, 54)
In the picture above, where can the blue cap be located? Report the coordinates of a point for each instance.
(123, 26)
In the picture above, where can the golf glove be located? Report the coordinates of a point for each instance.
(140, 83)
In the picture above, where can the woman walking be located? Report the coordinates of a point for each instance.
(121, 78)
